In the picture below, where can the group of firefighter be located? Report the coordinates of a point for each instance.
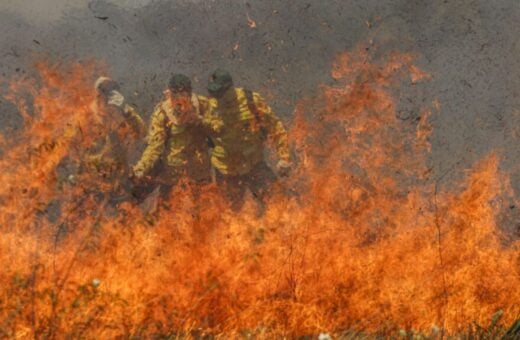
(219, 138)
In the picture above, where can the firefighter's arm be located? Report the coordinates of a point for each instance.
(210, 120)
(275, 130)
(204, 106)
(135, 121)
(155, 144)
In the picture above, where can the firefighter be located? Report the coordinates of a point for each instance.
(240, 125)
(116, 127)
(176, 137)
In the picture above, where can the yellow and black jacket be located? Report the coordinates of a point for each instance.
(239, 124)
(115, 130)
(183, 147)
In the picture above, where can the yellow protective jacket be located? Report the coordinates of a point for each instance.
(239, 135)
(183, 147)
(116, 129)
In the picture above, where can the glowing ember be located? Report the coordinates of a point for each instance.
(250, 22)
(357, 238)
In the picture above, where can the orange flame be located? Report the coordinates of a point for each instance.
(357, 238)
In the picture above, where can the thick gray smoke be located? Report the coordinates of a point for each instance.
(470, 47)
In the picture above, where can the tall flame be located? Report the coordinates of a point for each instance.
(359, 237)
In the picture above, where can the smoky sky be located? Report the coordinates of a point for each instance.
(51, 10)
(471, 49)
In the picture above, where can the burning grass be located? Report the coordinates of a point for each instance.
(358, 237)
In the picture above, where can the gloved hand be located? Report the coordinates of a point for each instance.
(283, 168)
(136, 174)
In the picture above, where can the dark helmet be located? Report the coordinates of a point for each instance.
(219, 82)
(179, 82)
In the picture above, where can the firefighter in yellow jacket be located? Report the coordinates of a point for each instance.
(240, 125)
(176, 136)
(116, 127)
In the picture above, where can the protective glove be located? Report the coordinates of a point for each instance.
(136, 174)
